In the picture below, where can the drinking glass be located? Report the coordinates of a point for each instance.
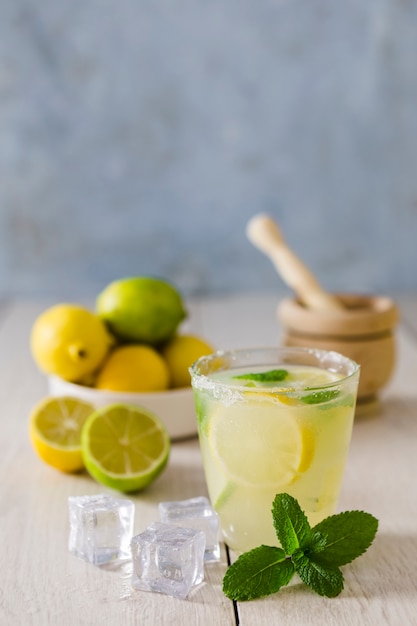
(273, 420)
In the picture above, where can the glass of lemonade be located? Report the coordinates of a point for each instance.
(270, 421)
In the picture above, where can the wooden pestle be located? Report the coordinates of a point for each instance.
(264, 233)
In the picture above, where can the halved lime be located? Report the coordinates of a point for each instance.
(258, 443)
(224, 496)
(125, 447)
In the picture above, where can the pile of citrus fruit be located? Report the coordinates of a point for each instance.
(129, 343)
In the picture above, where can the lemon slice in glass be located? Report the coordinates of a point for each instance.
(125, 447)
(259, 443)
(55, 426)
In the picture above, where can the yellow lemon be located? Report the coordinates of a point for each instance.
(132, 368)
(141, 309)
(180, 353)
(55, 426)
(272, 450)
(69, 341)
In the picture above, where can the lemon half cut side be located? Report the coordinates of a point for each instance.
(55, 426)
(257, 444)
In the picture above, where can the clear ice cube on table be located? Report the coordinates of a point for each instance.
(195, 513)
(101, 528)
(168, 559)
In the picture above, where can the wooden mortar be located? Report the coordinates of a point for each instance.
(363, 331)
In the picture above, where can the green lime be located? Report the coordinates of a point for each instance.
(141, 309)
(124, 447)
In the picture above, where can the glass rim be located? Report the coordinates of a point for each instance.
(228, 356)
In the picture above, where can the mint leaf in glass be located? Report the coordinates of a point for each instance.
(257, 573)
(272, 376)
(290, 523)
(324, 395)
(341, 538)
(326, 580)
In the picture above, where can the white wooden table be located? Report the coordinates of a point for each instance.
(42, 584)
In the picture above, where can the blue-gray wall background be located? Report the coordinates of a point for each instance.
(139, 137)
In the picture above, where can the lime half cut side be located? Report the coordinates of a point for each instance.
(125, 447)
(258, 443)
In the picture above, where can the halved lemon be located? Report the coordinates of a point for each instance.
(55, 426)
(259, 443)
(125, 447)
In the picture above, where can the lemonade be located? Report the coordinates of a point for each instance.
(273, 421)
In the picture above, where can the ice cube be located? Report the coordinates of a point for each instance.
(194, 513)
(168, 559)
(101, 528)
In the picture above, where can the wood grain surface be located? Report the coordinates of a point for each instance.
(42, 584)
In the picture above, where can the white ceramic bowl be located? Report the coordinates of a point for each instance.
(174, 407)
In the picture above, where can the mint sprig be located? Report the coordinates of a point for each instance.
(314, 553)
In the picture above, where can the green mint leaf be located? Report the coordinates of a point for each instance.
(323, 579)
(341, 538)
(290, 523)
(271, 376)
(324, 395)
(257, 573)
